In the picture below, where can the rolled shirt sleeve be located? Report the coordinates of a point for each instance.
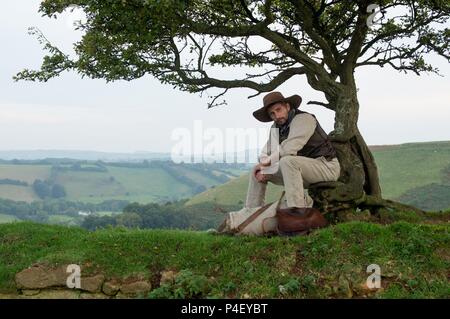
(301, 129)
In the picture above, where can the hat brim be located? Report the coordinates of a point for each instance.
(262, 115)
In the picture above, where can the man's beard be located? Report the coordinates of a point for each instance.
(281, 122)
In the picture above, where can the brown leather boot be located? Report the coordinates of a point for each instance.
(299, 221)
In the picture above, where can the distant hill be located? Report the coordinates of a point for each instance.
(115, 156)
(97, 182)
(402, 168)
(82, 155)
(414, 173)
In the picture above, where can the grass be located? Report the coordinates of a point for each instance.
(408, 166)
(142, 185)
(233, 192)
(26, 173)
(4, 219)
(402, 168)
(198, 177)
(18, 193)
(331, 263)
(88, 184)
(148, 180)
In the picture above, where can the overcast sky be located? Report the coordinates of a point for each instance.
(71, 113)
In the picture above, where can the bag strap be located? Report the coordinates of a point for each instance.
(256, 214)
(252, 218)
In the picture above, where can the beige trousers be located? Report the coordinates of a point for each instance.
(296, 173)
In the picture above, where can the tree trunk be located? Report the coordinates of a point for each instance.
(359, 184)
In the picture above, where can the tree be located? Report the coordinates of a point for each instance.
(199, 189)
(131, 220)
(58, 191)
(94, 222)
(182, 42)
(41, 188)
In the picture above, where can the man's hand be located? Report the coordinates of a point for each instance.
(260, 177)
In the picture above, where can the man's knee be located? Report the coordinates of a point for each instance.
(291, 161)
(287, 160)
(253, 169)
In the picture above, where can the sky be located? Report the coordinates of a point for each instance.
(70, 113)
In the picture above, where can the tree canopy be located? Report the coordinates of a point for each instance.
(180, 42)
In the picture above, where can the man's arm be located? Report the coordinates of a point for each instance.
(301, 129)
(265, 152)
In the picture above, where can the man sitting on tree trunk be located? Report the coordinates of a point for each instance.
(297, 154)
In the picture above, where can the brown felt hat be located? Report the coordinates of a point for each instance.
(272, 98)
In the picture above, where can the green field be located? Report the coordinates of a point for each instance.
(196, 176)
(232, 193)
(401, 168)
(330, 263)
(18, 193)
(408, 172)
(26, 173)
(407, 166)
(152, 182)
(142, 185)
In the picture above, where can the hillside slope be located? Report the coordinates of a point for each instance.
(331, 263)
(402, 168)
(89, 183)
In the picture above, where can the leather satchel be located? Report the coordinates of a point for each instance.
(300, 221)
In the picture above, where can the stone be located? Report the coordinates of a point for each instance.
(86, 295)
(11, 296)
(344, 287)
(111, 288)
(30, 292)
(135, 288)
(39, 277)
(167, 277)
(57, 294)
(351, 215)
(122, 296)
(92, 284)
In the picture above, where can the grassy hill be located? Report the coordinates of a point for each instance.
(401, 168)
(134, 184)
(26, 173)
(142, 185)
(414, 173)
(331, 263)
(232, 193)
(406, 166)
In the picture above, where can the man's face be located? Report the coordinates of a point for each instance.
(279, 112)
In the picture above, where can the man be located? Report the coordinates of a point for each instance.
(297, 154)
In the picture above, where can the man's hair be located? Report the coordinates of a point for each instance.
(285, 103)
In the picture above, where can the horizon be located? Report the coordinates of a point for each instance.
(146, 152)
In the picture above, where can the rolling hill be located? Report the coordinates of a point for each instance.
(95, 183)
(415, 173)
(402, 168)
